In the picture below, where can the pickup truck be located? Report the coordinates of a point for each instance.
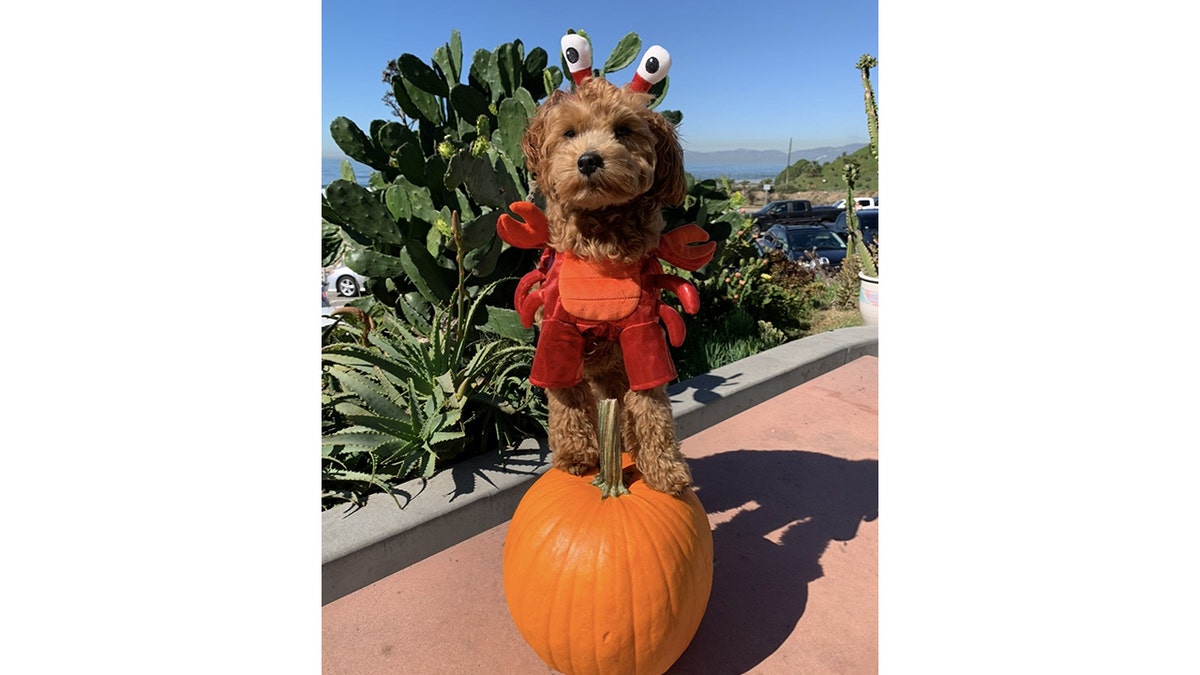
(792, 212)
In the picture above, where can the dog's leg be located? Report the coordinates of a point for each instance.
(573, 435)
(649, 435)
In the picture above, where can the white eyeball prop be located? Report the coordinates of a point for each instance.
(578, 53)
(652, 70)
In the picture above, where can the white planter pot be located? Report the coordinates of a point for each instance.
(868, 299)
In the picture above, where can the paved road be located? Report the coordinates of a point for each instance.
(335, 301)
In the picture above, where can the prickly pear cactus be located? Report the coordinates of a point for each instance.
(459, 152)
(458, 149)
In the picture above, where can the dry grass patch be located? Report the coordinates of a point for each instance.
(832, 319)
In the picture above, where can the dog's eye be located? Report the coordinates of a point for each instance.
(621, 131)
(569, 133)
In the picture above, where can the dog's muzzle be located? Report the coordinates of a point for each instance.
(589, 162)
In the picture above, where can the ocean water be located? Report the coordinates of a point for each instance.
(331, 170)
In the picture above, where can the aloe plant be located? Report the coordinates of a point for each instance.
(414, 401)
(407, 398)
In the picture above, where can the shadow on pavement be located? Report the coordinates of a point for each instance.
(703, 388)
(516, 460)
(774, 514)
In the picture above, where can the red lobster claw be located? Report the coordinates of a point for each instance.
(676, 247)
(529, 234)
(527, 303)
(676, 330)
(689, 297)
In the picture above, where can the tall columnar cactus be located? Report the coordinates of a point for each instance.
(854, 241)
(865, 63)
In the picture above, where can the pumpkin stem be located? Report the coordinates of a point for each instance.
(610, 479)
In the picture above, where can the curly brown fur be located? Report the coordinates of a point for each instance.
(608, 206)
(616, 212)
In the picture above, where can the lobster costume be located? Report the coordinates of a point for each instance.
(587, 301)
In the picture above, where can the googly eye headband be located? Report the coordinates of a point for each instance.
(578, 52)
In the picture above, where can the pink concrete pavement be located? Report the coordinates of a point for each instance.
(791, 490)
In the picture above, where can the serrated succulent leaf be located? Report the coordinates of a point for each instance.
(414, 313)
(360, 438)
(446, 382)
(396, 427)
(506, 323)
(371, 394)
(439, 437)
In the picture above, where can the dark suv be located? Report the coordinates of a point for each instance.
(868, 224)
(797, 242)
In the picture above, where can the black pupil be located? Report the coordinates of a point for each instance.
(572, 55)
(652, 65)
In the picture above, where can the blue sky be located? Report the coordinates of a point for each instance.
(753, 79)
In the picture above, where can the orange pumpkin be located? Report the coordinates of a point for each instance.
(603, 585)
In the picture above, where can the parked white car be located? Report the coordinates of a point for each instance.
(862, 202)
(346, 282)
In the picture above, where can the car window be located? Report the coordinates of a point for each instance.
(806, 239)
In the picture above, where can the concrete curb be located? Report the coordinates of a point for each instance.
(360, 547)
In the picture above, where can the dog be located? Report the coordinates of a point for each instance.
(606, 165)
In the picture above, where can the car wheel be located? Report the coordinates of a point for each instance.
(347, 287)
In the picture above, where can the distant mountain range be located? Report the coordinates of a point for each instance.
(775, 158)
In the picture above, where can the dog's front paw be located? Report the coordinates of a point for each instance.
(673, 478)
(576, 466)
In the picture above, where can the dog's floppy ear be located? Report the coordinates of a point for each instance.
(535, 133)
(669, 185)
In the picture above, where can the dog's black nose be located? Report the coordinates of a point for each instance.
(589, 162)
